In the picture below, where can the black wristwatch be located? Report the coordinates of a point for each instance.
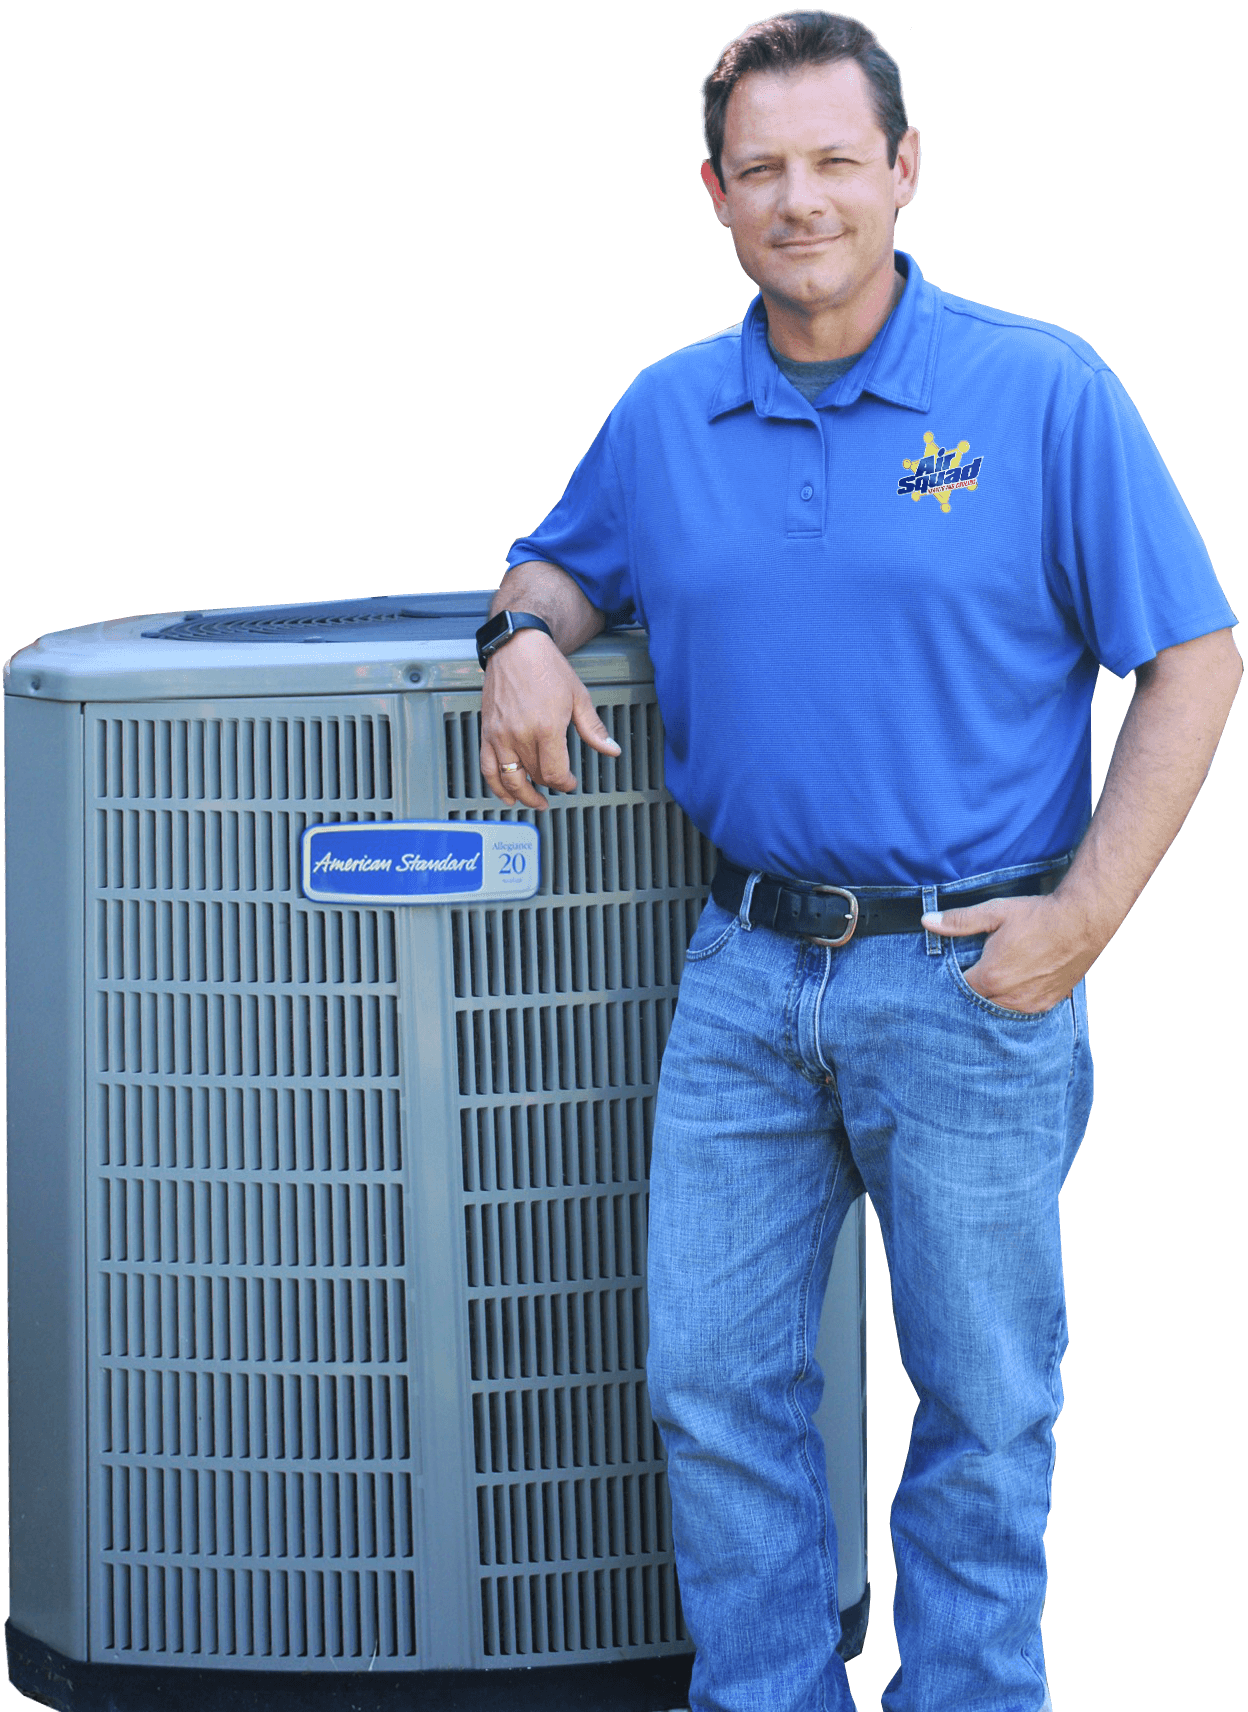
(495, 631)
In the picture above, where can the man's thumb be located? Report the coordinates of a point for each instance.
(591, 728)
(979, 918)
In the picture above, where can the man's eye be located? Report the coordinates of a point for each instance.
(768, 166)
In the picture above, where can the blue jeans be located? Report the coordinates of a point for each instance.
(795, 1077)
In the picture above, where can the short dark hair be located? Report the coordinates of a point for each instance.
(795, 39)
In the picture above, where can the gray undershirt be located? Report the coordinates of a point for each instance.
(811, 379)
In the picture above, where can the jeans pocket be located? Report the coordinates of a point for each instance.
(963, 953)
(715, 928)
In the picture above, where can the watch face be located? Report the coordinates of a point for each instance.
(491, 634)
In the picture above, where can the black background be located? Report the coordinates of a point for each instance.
(336, 314)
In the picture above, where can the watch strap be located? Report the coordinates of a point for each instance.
(501, 628)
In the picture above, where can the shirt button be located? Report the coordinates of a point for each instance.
(808, 492)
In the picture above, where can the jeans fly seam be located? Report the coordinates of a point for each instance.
(790, 1030)
(823, 987)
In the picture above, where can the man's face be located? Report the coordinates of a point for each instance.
(808, 193)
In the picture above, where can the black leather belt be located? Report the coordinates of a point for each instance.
(833, 915)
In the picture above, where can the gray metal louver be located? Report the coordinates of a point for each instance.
(328, 1222)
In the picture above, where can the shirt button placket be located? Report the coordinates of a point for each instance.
(804, 506)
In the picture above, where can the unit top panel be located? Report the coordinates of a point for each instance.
(360, 647)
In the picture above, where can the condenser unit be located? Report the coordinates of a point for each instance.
(327, 1198)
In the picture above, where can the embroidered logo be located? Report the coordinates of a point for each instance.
(939, 472)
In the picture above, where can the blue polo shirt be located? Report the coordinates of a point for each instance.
(876, 621)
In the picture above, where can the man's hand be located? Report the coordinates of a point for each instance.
(1038, 948)
(1035, 954)
(531, 696)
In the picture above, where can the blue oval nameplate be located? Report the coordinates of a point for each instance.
(419, 862)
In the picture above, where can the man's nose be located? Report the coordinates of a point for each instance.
(803, 192)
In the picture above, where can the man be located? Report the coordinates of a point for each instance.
(882, 540)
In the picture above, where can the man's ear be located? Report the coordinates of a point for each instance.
(906, 169)
(718, 199)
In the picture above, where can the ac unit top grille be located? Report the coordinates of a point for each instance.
(399, 618)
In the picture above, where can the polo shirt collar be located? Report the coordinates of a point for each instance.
(898, 366)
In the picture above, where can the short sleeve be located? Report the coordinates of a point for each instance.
(586, 534)
(1127, 561)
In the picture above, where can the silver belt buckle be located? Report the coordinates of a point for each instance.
(838, 892)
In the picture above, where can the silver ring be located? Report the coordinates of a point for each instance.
(509, 767)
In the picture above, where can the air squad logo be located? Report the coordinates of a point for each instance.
(939, 472)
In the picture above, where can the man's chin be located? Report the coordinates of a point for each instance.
(810, 294)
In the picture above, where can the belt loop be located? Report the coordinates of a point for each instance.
(934, 943)
(747, 898)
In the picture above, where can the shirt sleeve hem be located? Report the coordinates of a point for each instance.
(1188, 631)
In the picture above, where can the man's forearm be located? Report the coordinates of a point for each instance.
(1160, 760)
(551, 594)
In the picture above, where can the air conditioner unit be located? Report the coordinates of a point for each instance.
(327, 1207)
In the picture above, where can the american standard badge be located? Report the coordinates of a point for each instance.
(419, 862)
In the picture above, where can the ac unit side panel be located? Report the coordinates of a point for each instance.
(254, 1457)
(561, 1009)
(47, 1405)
